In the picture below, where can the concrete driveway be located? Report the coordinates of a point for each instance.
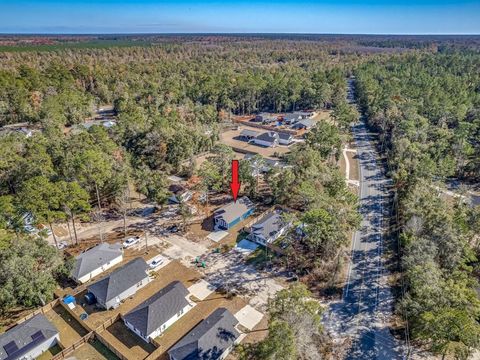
(248, 317)
(201, 290)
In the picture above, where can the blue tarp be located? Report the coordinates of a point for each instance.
(69, 299)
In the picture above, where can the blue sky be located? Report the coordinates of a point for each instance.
(281, 16)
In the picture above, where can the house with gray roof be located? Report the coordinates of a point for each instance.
(262, 166)
(231, 214)
(212, 339)
(95, 261)
(152, 317)
(122, 283)
(284, 138)
(269, 228)
(304, 124)
(29, 339)
(268, 139)
(266, 118)
(247, 134)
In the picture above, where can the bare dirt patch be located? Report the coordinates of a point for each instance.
(69, 328)
(92, 350)
(354, 172)
(231, 138)
(135, 345)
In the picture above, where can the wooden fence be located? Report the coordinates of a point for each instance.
(42, 310)
(110, 347)
(107, 323)
(76, 317)
(67, 351)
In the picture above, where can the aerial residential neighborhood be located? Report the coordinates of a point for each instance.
(239, 180)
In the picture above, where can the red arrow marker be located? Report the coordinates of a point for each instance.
(235, 184)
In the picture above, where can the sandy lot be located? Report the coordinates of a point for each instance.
(229, 271)
(230, 138)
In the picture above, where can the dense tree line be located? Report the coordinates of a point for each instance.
(64, 85)
(426, 108)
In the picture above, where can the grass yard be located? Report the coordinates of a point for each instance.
(69, 328)
(135, 346)
(47, 355)
(93, 350)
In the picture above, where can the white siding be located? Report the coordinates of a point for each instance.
(169, 322)
(127, 293)
(285, 142)
(100, 270)
(264, 143)
(40, 349)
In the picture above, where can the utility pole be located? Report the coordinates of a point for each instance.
(146, 240)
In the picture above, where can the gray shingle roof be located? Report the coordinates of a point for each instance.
(234, 210)
(24, 337)
(94, 258)
(269, 225)
(108, 287)
(268, 136)
(209, 339)
(285, 136)
(307, 123)
(156, 310)
(249, 133)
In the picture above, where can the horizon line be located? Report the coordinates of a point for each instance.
(226, 33)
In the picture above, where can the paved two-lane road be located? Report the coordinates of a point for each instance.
(367, 303)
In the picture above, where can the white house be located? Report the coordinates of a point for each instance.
(95, 261)
(122, 283)
(268, 139)
(156, 314)
(268, 228)
(29, 339)
(284, 138)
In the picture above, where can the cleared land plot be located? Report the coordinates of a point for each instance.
(229, 271)
(171, 272)
(199, 160)
(93, 350)
(352, 158)
(69, 328)
(204, 308)
(231, 138)
(127, 342)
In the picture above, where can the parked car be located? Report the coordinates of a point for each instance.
(131, 241)
(62, 245)
(156, 262)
